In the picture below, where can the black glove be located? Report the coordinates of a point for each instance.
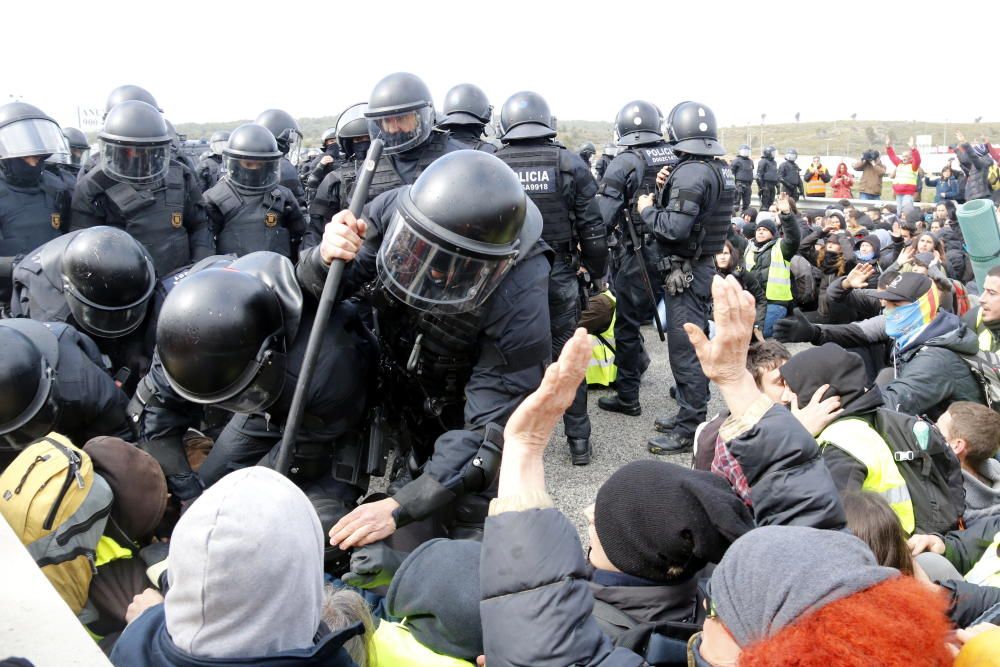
(796, 329)
(373, 566)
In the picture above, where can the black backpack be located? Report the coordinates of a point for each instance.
(930, 468)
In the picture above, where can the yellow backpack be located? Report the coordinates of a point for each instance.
(58, 508)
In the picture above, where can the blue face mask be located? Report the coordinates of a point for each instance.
(903, 323)
(864, 256)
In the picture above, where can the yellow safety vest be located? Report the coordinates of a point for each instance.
(986, 342)
(905, 175)
(815, 184)
(395, 646)
(779, 274)
(986, 571)
(602, 369)
(862, 442)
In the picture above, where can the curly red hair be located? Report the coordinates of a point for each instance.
(898, 623)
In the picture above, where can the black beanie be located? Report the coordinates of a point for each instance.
(652, 516)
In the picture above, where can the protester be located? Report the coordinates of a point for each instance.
(767, 258)
(842, 183)
(973, 432)
(816, 176)
(904, 177)
(872, 172)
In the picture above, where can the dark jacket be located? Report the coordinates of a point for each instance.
(146, 642)
(742, 169)
(930, 375)
(789, 483)
(789, 244)
(964, 548)
(767, 171)
(944, 188)
(536, 603)
(791, 179)
(620, 608)
(975, 168)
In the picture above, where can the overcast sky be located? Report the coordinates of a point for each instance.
(826, 60)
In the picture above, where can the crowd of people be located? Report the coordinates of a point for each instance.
(161, 315)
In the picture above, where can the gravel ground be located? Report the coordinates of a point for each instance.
(616, 438)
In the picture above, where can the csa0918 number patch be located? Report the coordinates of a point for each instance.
(537, 179)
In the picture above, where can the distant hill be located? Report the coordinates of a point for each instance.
(842, 137)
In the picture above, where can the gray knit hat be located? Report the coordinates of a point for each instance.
(774, 575)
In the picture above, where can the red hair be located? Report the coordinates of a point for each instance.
(898, 623)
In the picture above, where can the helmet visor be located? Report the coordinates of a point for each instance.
(106, 322)
(42, 415)
(250, 174)
(33, 136)
(135, 164)
(218, 146)
(423, 274)
(290, 143)
(402, 131)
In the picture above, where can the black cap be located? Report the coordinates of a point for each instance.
(908, 286)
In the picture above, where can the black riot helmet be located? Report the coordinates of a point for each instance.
(285, 129)
(329, 135)
(526, 115)
(466, 104)
(768, 152)
(79, 147)
(791, 155)
(221, 338)
(108, 279)
(26, 131)
(129, 92)
(744, 151)
(691, 129)
(28, 397)
(638, 123)
(456, 232)
(251, 161)
(352, 131)
(401, 111)
(218, 141)
(135, 143)
(587, 148)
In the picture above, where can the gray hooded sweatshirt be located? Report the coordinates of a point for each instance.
(246, 569)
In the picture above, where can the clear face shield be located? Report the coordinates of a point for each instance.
(218, 146)
(290, 143)
(250, 174)
(33, 136)
(135, 164)
(402, 131)
(421, 273)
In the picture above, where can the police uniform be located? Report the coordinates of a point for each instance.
(444, 379)
(742, 168)
(687, 230)
(404, 168)
(167, 217)
(289, 178)
(244, 222)
(209, 171)
(601, 165)
(560, 184)
(767, 180)
(331, 197)
(331, 426)
(471, 137)
(90, 404)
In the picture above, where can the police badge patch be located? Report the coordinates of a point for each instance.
(177, 219)
(56, 221)
(270, 218)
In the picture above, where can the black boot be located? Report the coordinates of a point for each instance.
(665, 424)
(671, 443)
(616, 404)
(579, 450)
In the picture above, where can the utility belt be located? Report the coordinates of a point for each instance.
(563, 247)
(678, 272)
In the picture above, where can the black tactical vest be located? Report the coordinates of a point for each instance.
(331, 195)
(654, 157)
(250, 221)
(537, 167)
(387, 178)
(31, 216)
(209, 172)
(708, 235)
(154, 217)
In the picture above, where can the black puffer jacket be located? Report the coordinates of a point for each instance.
(536, 604)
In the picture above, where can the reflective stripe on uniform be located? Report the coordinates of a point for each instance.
(862, 442)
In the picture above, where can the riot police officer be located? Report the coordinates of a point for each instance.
(586, 152)
(100, 281)
(459, 283)
(560, 184)
(401, 111)
(121, 94)
(467, 111)
(333, 190)
(232, 334)
(247, 208)
(315, 170)
(742, 167)
(688, 226)
(601, 166)
(631, 174)
(767, 177)
(210, 166)
(52, 380)
(34, 202)
(286, 131)
(138, 188)
(789, 176)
